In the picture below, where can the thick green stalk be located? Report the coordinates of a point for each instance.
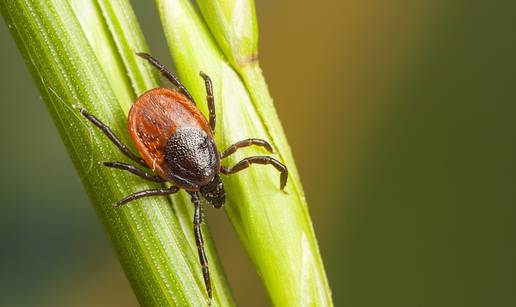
(81, 53)
(274, 226)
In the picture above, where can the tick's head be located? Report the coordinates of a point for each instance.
(214, 192)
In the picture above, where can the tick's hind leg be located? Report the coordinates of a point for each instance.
(145, 193)
(245, 143)
(111, 135)
(132, 169)
(166, 73)
(197, 221)
(245, 163)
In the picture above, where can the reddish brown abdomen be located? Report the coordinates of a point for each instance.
(154, 117)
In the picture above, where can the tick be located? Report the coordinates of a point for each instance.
(175, 141)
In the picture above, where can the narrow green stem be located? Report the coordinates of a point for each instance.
(274, 226)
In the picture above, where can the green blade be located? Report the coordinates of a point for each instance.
(81, 53)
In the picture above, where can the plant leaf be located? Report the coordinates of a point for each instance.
(82, 53)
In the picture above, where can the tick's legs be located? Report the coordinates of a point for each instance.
(134, 170)
(197, 221)
(166, 73)
(244, 143)
(111, 135)
(245, 163)
(145, 193)
(211, 102)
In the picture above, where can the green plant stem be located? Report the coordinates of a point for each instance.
(274, 226)
(81, 53)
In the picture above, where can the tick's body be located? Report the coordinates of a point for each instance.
(176, 142)
(174, 138)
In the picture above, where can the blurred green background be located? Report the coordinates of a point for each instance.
(401, 116)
